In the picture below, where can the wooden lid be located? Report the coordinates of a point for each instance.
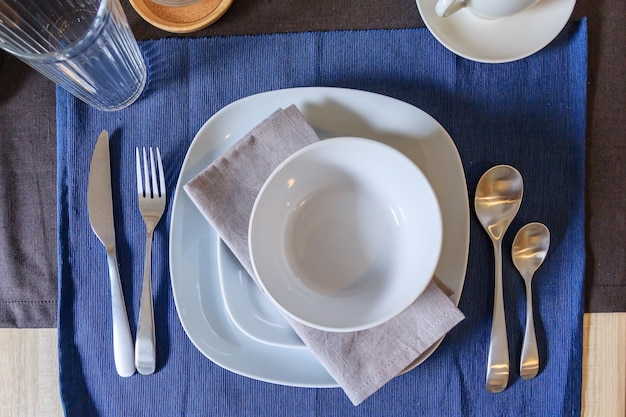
(181, 19)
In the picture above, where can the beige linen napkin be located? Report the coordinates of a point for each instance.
(361, 362)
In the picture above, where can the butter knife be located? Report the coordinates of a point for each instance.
(100, 206)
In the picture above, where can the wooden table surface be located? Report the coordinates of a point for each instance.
(29, 370)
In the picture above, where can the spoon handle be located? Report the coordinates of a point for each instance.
(529, 365)
(498, 361)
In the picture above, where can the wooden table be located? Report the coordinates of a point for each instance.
(29, 371)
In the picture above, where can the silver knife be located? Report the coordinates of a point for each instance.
(100, 205)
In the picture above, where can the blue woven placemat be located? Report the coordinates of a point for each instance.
(529, 113)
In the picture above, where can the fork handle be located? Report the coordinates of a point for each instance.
(145, 345)
(122, 338)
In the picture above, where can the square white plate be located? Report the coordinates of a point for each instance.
(221, 310)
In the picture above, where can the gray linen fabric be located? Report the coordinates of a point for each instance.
(28, 267)
(360, 362)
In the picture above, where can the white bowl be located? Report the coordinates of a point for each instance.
(345, 234)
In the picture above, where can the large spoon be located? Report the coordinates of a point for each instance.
(498, 197)
(530, 247)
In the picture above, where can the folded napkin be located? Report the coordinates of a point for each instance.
(361, 362)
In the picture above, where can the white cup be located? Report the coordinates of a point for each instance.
(490, 9)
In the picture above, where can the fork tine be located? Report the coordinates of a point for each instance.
(146, 178)
(161, 174)
(153, 174)
(138, 168)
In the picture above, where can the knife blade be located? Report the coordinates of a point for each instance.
(100, 208)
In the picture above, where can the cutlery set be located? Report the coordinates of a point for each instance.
(498, 198)
(151, 198)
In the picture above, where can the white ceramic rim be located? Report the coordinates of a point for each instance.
(421, 268)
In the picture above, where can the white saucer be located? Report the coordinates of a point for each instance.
(219, 307)
(498, 40)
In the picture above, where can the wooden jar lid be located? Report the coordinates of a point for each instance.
(181, 19)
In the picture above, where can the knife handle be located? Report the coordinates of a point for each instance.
(123, 348)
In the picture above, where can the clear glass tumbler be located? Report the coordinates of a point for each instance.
(85, 46)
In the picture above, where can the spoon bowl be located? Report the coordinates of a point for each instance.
(530, 248)
(497, 200)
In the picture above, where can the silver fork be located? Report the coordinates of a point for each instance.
(151, 193)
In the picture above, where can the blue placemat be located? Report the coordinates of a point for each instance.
(529, 113)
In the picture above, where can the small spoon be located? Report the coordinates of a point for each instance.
(530, 247)
(498, 198)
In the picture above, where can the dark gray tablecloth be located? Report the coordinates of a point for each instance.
(28, 267)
